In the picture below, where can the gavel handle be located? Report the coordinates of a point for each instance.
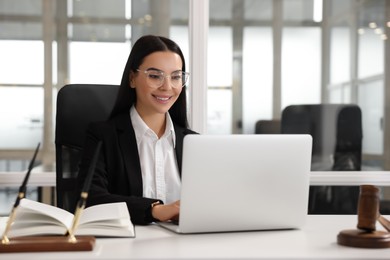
(385, 223)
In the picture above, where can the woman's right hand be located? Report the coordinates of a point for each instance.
(166, 212)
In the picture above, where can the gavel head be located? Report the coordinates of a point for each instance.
(368, 207)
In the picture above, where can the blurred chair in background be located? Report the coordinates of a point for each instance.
(267, 127)
(337, 146)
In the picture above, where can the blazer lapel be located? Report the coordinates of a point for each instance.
(180, 132)
(128, 146)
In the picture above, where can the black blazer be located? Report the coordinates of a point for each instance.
(118, 175)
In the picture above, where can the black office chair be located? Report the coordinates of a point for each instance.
(267, 127)
(77, 106)
(337, 146)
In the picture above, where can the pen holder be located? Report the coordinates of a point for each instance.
(47, 244)
(366, 235)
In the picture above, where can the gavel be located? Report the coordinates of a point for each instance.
(368, 209)
(366, 234)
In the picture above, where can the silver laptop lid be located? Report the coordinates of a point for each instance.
(244, 182)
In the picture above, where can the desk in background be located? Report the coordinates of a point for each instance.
(349, 178)
(42, 178)
(317, 240)
(37, 179)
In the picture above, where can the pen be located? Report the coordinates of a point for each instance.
(84, 194)
(21, 195)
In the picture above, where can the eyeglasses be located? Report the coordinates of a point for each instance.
(155, 78)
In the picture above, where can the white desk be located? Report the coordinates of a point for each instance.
(37, 179)
(42, 178)
(350, 178)
(317, 240)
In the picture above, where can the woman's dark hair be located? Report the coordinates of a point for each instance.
(144, 46)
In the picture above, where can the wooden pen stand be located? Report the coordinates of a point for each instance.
(47, 244)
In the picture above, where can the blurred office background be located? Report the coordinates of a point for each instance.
(262, 56)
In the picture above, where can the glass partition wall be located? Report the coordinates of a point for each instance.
(46, 44)
(262, 56)
(266, 55)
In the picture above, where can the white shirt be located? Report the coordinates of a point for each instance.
(160, 174)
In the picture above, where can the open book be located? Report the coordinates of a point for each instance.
(104, 220)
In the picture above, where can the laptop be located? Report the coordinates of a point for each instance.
(243, 183)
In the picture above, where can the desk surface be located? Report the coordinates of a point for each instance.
(317, 240)
(44, 178)
(349, 178)
(37, 179)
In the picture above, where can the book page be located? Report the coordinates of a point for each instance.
(45, 212)
(101, 212)
(3, 223)
(36, 218)
(111, 219)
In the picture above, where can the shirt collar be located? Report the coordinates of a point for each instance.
(141, 128)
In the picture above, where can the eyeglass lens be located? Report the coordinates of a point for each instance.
(156, 78)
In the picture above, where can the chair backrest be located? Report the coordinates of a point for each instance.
(335, 128)
(267, 127)
(77, 106)
(337, 145)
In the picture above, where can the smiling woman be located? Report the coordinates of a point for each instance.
(140, 162)
(249, 60)
(155, 93)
